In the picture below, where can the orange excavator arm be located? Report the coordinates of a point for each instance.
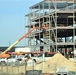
(8, 49)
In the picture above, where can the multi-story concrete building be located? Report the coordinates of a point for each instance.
(60, 18)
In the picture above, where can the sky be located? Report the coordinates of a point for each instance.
(12, 20)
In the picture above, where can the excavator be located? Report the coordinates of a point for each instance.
(5, 55)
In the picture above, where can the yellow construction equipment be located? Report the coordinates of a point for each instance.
(3, 54)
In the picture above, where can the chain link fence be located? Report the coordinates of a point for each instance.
(13, 69)
(18, 68)
(21, 69)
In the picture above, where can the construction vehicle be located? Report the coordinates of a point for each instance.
(4, 55)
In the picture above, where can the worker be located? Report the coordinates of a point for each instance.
(37, 26)
(29, 61)
(44, 27)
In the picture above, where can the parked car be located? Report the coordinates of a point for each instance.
(11, 60)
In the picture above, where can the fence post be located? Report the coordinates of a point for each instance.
(25, 66)
(7, 68)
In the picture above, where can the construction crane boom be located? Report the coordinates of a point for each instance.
(8, 49)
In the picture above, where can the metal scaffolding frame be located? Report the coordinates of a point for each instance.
(60, 18)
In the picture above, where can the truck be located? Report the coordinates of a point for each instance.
(11, 60)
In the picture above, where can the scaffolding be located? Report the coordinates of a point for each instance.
(60, 18)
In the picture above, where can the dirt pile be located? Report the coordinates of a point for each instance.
(58, 60)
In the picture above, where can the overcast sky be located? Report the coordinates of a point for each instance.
(12, 20)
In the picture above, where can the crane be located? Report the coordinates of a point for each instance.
(11, 46)
(8, 49)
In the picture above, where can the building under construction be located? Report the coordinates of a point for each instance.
(60, 33)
